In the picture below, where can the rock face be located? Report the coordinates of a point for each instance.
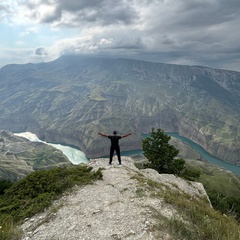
(121, 206)
(19, 156)
(72, 98)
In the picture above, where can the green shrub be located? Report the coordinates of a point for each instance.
(37, 191)
(229, 205)
(161, 154)
(4, 185)
(190, 174)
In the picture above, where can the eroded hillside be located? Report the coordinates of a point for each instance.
(72, 98)
(19, 156)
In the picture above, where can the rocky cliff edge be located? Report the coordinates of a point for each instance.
(120, 206)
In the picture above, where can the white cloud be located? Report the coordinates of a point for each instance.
(29, 30)
(205, 32)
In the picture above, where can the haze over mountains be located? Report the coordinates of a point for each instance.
(72, 98)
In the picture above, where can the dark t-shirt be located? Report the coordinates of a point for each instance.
(114, 140)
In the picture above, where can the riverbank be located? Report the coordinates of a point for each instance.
(77, 156)
(74, 155)
(201, 151)
(207, 156)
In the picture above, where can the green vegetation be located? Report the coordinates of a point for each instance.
(197, 220)
(36, 192)
(223, 191)
(229, 205)
(162, 156)
(4, 184)
(222, 187)
(189, 218)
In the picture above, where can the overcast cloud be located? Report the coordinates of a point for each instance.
(192, 32)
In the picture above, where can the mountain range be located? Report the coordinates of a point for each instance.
(72, 98)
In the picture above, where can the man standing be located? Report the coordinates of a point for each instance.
(114, 144)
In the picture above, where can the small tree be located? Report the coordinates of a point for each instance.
(161, 154)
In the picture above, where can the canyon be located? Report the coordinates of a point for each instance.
(72, 98)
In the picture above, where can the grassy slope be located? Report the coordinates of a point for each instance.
(212, 176)
(36, 192)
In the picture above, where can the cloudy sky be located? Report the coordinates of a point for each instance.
(192, 32)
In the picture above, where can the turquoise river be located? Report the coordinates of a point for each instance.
(76, 156)
(204, 154)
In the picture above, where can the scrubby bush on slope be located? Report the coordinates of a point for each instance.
(36, 192)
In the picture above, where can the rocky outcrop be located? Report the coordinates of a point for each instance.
(121, 206)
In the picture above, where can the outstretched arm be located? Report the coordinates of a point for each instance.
(126, 135)
(102, 134)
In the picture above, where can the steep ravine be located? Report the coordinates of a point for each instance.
(71, 98)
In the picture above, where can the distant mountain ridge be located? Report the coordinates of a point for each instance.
(72, 98)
